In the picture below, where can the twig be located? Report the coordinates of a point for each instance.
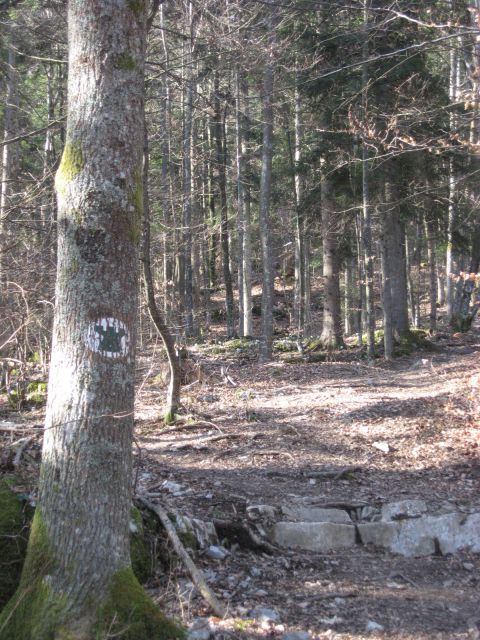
(195, 573)
(190, 425)
(11, 427)
(331, 594)
(272, 452)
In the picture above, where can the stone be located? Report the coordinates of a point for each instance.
(316, 514)
(422, 536)
(200, 630)
(382, 446)
(208, 397)
(403, 509)
(374, 626)
(216, 553)
(262, 614)
(256, 511)
(314, 536)
(400, 537)
(296, 635)
(196, 533)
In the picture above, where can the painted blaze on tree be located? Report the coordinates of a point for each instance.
(77, 582)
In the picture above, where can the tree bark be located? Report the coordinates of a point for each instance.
(66, 590)
(220, 143)
(396, 255)
(331, 336)
(264, 205)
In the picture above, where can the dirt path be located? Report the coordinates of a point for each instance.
(280, 428)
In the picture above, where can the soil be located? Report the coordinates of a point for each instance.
(282, 425)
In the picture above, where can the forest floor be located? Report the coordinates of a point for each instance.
(264, 434)
(286, 422)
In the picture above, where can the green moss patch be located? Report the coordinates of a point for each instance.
(34, 612)
(130, 614)
(13, 540)
(141, 553)
(71, 164)
(125, 62)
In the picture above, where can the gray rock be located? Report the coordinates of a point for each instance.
(374, 626)
(457, 532)
(261, 614)
(314, 536)
(256, 511)
(216, 553)
(316, 514)
(202, 534)
(403, 509)
(296, 635)
(208, 397)
(200, 630)
(407, 537)
(420, 536)
(368, 514)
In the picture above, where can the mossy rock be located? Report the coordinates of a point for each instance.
(37, 392)
(14, 523)
(411, 341)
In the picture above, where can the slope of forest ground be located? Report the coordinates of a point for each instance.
(293, 432)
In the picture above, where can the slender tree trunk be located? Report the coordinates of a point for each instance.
(430, 235)
(173, 393)
(187, 182)
(9, 125)
(264, 205)
(396, 255)
(220, 143)
(84, 504)
(300, 280)
(244, 241)
(366, 218)
(386, 286)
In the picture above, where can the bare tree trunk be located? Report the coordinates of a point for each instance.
(244, 232)
(264, 205)
(187, 181)
(300, 280)
(386, 286)
(220, 142)
(396, 255)
(366, 218)
(430, 235)
(67, 590)
(331, 336)
(9, 124)
(173, 393)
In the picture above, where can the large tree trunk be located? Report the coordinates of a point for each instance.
(396, 255)
(77, 581)
(331, 336)
(386, 288)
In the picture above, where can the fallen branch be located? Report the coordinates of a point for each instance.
(195, 573)
(330, 595)
(332, 474)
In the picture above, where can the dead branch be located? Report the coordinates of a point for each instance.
(195, 573)
(272, 452)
